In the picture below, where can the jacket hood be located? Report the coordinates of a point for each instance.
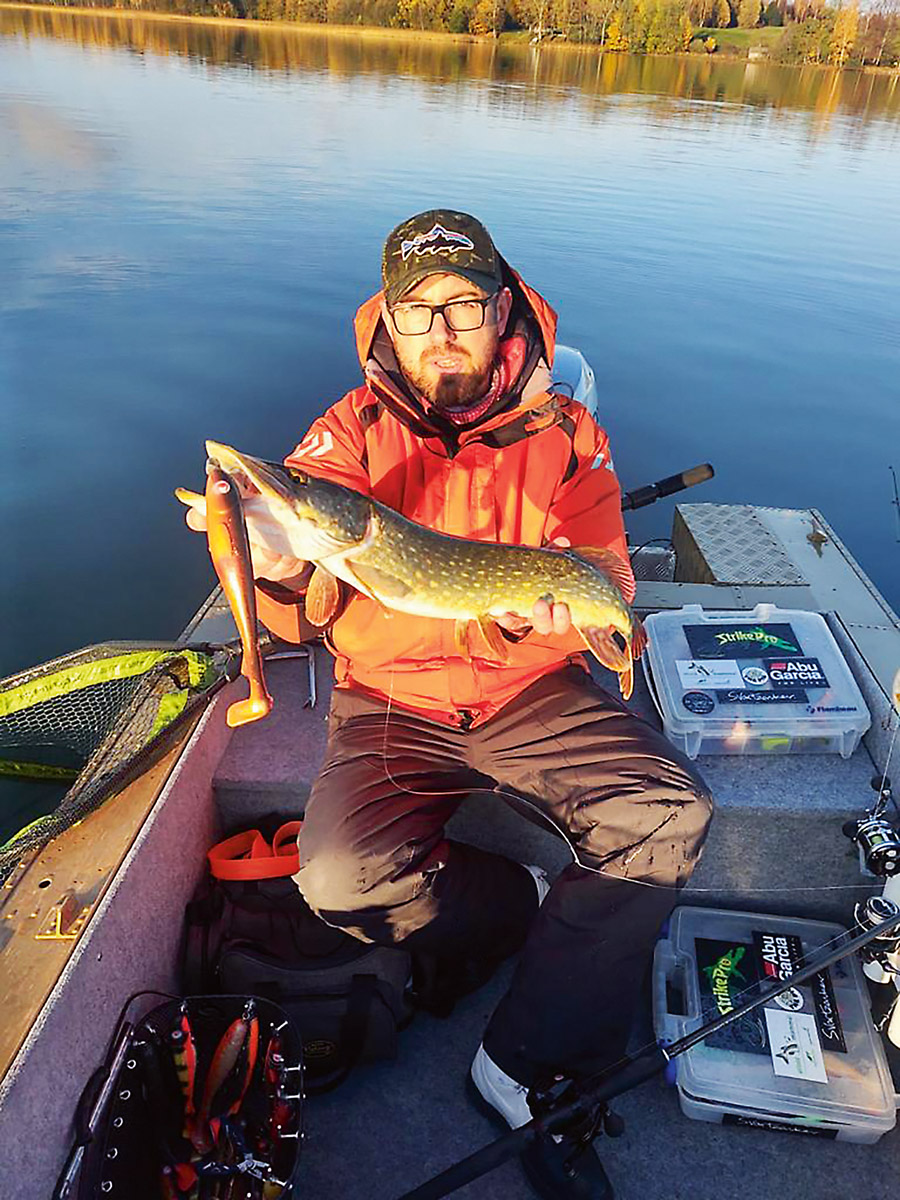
(531, 319)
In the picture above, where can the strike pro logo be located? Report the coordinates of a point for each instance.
(437, 240)
(719, 976)
(760, 637)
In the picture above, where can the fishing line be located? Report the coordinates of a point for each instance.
(887, 762)
(519, 798)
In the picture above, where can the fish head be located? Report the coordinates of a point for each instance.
(313, 517)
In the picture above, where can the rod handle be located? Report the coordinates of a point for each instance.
(666, 487)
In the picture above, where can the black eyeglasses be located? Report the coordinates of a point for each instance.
(462, 316)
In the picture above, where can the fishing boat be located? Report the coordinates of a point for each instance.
(97, 914)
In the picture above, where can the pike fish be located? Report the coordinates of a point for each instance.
(406, 567)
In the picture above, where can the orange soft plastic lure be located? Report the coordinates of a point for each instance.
(229, 550)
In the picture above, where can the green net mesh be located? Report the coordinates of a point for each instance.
(96, 717)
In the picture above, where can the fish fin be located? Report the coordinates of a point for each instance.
(490, 631)
(626, 680)
(322, 597)
(612, 564)
(600, 642)
(639, 639)
(192, 499)
(461, 638)
(604, 647)
(377, 583)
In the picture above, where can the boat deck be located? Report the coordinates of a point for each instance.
(393, 1125)
(776, 847)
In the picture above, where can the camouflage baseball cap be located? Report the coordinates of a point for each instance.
(436, 241)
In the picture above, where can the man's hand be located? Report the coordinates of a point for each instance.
(267, 549)
(545, 618)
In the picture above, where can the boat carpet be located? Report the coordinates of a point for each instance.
(393, 1125)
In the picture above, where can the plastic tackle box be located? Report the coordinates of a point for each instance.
(810, 1062)
(768, 681)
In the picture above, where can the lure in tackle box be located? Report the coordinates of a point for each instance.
(200, 1099)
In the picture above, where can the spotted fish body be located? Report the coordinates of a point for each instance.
(409, 568)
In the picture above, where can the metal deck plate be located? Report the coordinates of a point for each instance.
(728, 543)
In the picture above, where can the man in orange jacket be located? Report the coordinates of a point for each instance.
(457, 426)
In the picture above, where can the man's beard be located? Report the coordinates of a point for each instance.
(456, 391)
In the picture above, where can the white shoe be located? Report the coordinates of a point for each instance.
(541, 882)
(503, 1093)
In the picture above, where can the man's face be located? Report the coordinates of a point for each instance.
(452, 370)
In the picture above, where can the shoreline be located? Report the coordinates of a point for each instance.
(373, 32)
(361, 31)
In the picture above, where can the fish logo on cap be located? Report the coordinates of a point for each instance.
(437, 240)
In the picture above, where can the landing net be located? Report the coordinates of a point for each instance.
(97, 718)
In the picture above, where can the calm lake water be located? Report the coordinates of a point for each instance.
(191, 214)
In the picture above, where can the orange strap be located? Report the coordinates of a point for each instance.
(249, 856)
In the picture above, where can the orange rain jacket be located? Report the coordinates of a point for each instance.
(541, 469)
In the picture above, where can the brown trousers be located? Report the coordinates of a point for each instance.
(374, 858)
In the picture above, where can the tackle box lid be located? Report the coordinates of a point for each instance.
(730, 673)
(813, 1054)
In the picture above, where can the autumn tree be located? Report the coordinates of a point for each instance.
(535, 16)
(700, 12)
(804, 9)
(882, 33)
(772, 14)
(488, 16)
(806, 41)
(420, 14)
(666, 30)
(597, 17)
(721, 14)
(616, 37)
(638, 16)
(749, 13)
(843, 36)
(458, 17)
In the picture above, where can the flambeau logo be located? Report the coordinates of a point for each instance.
(437, 240)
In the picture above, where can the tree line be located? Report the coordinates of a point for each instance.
(812, 31)
(845, 36)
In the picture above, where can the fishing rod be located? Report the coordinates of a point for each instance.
(585, 1102)
(896, 499)
(652, 492)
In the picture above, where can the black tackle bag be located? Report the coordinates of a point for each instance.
(249, 930)
(202, 1090)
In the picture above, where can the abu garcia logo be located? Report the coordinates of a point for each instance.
(759, 636)
(719, 976)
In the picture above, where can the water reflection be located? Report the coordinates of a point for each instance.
(552, 69)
